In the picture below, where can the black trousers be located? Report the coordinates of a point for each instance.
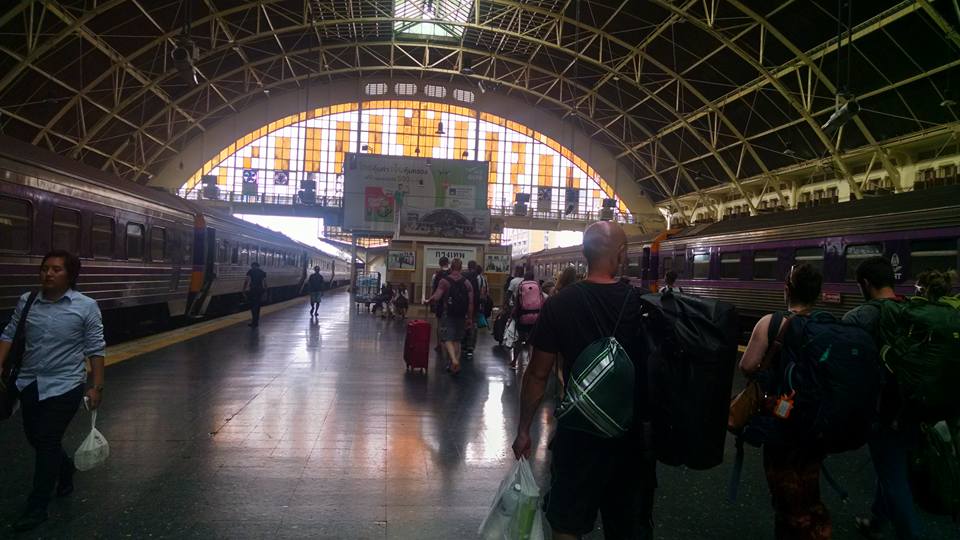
(256, 300)
(44, 423)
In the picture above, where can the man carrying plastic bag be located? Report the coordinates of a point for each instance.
(600, 461)
(515, 511)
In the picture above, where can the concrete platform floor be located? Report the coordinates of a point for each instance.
(315, 430)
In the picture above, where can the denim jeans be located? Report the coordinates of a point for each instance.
(893, 501)
(44, 423)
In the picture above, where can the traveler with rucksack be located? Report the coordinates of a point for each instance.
(454, 297)
(470, 338)
(823, 380)
(437, 277)
(528, 299)
(600, 467)
(893, 437)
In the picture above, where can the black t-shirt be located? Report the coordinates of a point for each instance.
(315, 283)
(256, 276)
(566, 325)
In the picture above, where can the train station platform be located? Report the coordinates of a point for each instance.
(305, 429)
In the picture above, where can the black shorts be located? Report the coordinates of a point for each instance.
(610, 476)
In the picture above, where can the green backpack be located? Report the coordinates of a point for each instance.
(599, 395)
(935, 469)
(921, 346)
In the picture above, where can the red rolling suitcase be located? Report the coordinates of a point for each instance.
(416, 347)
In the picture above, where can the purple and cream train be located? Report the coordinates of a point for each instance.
(744, 260)
(146, 255)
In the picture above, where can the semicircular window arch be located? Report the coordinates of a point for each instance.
(273, 159)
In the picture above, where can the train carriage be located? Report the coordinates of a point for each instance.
(146, 255)
(744, 261)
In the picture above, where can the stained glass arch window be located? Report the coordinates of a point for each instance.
(273, 160)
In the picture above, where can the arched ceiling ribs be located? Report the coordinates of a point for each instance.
(387, 67)
(254, 37)
(118, 59)
(785, 93)
(862, 30)
(831, 87)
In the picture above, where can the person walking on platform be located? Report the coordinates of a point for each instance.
(511, 287)
(591, 474)
(896, 434)
(61, 329)
(670, 283)
(314, 284)
(527, 302)
(438, 310)
(255, 287)
(470, 338)
(792, 471)
(455, 294)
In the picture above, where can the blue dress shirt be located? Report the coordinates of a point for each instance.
(60, 335)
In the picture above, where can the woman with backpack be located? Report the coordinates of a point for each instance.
(528, 299)
(792, 471)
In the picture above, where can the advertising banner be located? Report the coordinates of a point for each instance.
(377, 187)
(544, 199)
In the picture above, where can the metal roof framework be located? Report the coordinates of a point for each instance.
(689, 94)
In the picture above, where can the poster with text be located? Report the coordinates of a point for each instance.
(433, 254)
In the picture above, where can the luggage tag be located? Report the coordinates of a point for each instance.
(784, 406)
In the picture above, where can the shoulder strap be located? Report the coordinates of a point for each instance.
(20, 336)
(596, 320)
(779, 323)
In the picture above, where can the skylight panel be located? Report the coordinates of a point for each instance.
(434, 18)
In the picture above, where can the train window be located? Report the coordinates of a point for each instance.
(855, 254)
(666, 264)
(811, 255)
(158, 243)
(102, 232)
(134, 241)
(765, 265)
(235, 255)
(66, 230)
(730, 265)
(680, 264)
(186, 246)
(254, 254)
(937, 254)
(15, 225)
(701, 266)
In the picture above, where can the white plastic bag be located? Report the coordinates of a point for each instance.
(510, 334)
(94, 450)
(515, 511)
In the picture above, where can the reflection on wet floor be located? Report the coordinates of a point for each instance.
(315, 429)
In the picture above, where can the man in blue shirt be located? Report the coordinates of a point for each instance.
(63, 328)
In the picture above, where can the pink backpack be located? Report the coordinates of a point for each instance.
(531, 300)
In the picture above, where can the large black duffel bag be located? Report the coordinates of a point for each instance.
(500, 325)
(693, 352)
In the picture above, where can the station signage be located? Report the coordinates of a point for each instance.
(432, 254)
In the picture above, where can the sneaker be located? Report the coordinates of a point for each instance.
(31, 519)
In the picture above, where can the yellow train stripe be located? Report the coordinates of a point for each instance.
(137, 347)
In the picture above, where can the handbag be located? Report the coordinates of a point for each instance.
(750, 400)
(9, 394)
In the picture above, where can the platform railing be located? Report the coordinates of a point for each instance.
(261, 198)
(324, 201)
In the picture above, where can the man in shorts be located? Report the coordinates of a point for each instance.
(454, 295)
(590, 474)
(314, 284)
